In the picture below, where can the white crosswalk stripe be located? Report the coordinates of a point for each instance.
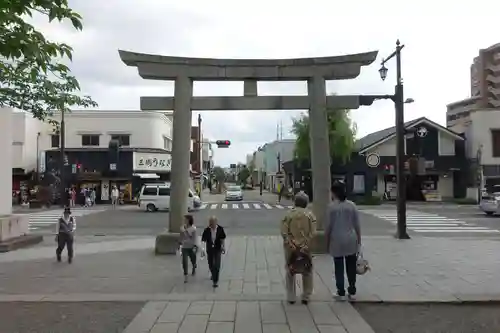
(430, 223)
(240, 205)
(49, 218)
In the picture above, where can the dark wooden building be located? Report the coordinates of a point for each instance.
(100, 169)
(436, 166)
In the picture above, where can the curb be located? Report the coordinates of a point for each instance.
(96, 297)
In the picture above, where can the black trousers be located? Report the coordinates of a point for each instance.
(64, 240)
(188, 254)
(214, 261)
(350, 269)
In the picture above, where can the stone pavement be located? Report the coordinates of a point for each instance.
(251, 286)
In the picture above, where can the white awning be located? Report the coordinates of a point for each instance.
(146, 175)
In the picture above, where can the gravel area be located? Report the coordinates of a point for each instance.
(431, 318)
(67, 317)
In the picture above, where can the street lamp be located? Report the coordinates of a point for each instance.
(400, 138)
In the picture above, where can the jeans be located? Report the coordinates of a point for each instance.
(64, 240)
(214, 261)
(188, 253)
(350, 269)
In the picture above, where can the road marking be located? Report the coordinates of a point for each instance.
(246, 206)
(256, 206)
(431, 223)
(235, 206)
(268, 206)
(213, 206)
(203, 206)
(224, 206)
(280, 207)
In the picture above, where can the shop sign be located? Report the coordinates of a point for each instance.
(157, 162)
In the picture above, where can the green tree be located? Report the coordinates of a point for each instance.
(33, 76)
(243, 175)
(219, 174)
(342, 132)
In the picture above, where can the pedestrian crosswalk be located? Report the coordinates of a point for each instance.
(431, 223)
(249, 205)
(49, 218)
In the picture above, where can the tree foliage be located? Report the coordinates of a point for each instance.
(33, 76)
(219, 174)
(342, 133)
(243, 175)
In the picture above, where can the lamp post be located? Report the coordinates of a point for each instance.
(400, 137)
(62, 161)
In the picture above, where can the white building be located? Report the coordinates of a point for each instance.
(88, 129)
(481, 128)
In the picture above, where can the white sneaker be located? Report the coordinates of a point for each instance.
(339, 298)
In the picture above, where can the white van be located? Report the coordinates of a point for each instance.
(154, 197)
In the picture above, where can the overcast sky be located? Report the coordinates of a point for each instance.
(441, 39)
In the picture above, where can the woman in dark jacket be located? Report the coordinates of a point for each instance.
(214, 237)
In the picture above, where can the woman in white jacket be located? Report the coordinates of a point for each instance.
(189, 245)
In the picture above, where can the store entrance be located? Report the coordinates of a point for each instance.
(416, 186)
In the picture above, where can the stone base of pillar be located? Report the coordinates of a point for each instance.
(14, 233)
(167, 243)
(319, 243)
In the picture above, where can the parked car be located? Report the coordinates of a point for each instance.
(154, 197)
(490, 201)
(234, 192)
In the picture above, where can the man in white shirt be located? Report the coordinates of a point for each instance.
(114, 196)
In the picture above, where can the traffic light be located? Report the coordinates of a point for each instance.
(223, 143)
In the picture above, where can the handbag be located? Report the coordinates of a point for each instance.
(362, 265)
(300, 262)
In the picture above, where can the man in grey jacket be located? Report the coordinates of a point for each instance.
(65, 232)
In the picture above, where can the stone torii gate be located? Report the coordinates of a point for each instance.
(185, 70)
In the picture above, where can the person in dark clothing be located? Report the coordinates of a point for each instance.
(214, 237)
(65, 232)
(261, 187)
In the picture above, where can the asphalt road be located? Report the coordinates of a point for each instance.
(63, 317)
(261, 215)
(431, 318)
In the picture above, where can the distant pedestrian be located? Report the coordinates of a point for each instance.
(343, 240)
(281, 189)
(189, 245)
(73, 197)
(114, 196)
(261, 187)
(298, 228)
(214, 237)
(65, 232)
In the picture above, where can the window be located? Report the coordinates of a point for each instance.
(495, 142)
(90, 140)
(358, 184)
(123, 139)
(164, 191)
(54, 139)
(150, 190)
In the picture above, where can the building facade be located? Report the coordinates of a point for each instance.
(435, 164)
(275, 154)
(485, 87)
(145, 143)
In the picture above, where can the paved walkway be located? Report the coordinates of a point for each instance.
(251, 290)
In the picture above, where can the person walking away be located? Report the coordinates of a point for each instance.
(92, 196)
(298, 228)
(214, 237)
(114, 196)
(65, 232)
(261, 187)
(189, 245)
(343, 237)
